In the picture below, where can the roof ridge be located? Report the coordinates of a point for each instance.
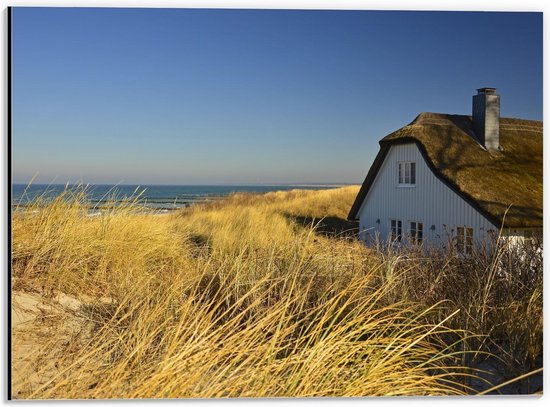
(424, 115)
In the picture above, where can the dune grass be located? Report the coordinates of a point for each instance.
(245, 297)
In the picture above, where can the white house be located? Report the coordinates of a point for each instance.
(455, 179)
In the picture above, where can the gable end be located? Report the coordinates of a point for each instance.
(385, 146)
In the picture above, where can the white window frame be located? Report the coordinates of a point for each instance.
(396, 232)
(464, 240)
(414, 236)
(406, 174)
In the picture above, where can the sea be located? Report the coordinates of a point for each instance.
(162, 197)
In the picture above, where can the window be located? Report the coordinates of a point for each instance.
(464, 239)
(396, 230)
(417, 230)
(406, 173)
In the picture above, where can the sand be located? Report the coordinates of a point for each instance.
(34, 353)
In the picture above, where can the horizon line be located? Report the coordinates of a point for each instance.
(198, 184)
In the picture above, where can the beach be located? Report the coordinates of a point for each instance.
(255, 295)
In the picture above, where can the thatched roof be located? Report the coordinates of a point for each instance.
(495, 183)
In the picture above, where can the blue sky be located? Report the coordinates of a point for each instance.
(182, 96)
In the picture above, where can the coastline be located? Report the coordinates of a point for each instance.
(154, 197)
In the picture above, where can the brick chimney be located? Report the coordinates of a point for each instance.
(485, 118)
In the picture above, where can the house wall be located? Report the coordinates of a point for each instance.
(430, 201)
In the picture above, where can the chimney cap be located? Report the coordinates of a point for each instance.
(487, 91)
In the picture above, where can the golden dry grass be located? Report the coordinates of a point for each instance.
(230, 299)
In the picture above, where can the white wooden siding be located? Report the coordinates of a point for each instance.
(430, 201)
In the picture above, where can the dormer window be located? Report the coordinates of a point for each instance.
(406, 173)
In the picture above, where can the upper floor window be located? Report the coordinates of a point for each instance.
(406, 173)
(464, 239)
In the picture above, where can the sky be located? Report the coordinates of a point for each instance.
(191, 96)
